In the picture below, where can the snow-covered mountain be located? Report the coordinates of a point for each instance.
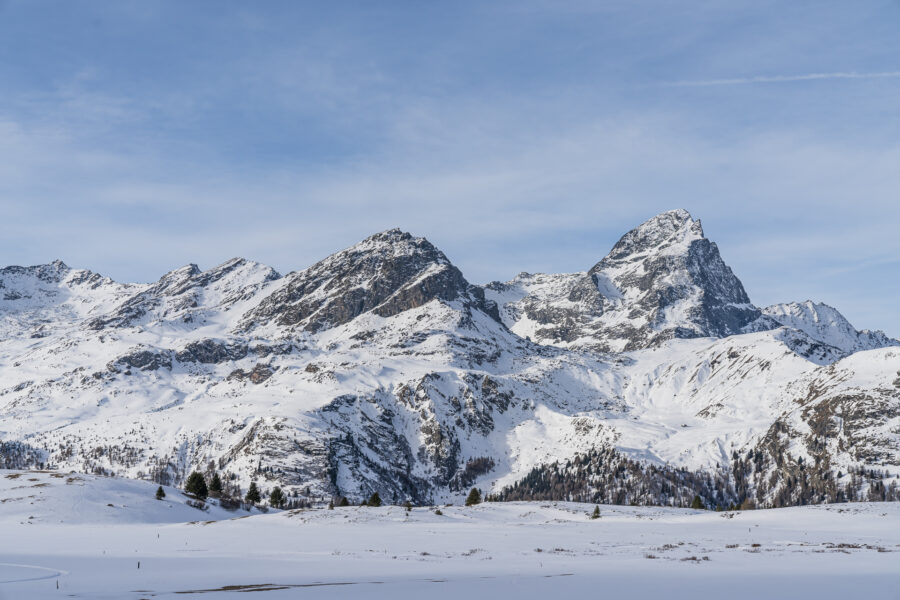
(382, 368)
(826, 325)
(662, 280)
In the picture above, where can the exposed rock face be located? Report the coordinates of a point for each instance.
(258, 374)
(385, 274)
(662, 280)
(53, 272)
(670, 277)
(382, 369)
(211, 352)
(145, 360)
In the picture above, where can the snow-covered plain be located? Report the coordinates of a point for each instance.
(57, 530)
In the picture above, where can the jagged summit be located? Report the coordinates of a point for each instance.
(381, 368)
(657, 234)
(386, 273)
(825, 324)
(661, 280)
(190, 296)
(53, 271)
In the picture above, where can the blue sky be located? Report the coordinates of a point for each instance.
(525, 135)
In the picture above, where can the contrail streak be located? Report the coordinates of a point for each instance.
(783, 79)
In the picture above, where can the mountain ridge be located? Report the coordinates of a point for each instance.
(382, 368)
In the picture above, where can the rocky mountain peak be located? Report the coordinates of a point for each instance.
(189, 294)
(671, 228)
(58, 266)
(673, 283)
(825, 324)
(386, 273)
(52, 272)
(661, 280)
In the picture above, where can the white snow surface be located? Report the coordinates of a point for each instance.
(825, 324)
(522, 550)
(437, 380)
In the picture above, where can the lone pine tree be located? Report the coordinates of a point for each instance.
(277, 497)
(473, 498)
(160, 493)
(374, 500)
(253, 496)
(196, 486)
(215, 486)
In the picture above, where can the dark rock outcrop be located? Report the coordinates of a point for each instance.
(211, 352)
(386, 274)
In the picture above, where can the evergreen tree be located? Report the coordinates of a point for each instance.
(344, 501)
(331, 505)
(474, 497)
(374, 500)
(408, 506)
(596, 513)
(215, 486)
(697, 503)
(253, 496)
(196, 486)
(277, 498)
(160, 493)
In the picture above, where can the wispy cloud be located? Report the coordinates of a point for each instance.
(530, 140)
(782, 78)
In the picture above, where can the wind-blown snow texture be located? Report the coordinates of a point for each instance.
(382, 368)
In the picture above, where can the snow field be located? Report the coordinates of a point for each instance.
(521, 550)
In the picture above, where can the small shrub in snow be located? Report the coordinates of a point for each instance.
(198, 504)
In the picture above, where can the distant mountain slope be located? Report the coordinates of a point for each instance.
(826, 325)
(382, 368)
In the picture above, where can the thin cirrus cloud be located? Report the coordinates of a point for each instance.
(513, 139)
(781, 79)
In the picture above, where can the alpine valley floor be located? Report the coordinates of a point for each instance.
(87, 534)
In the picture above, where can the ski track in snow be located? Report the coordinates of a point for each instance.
(7, 569)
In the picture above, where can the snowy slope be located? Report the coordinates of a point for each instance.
(382, 368)
(52, 497)
(828, 326)
(527, 550)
